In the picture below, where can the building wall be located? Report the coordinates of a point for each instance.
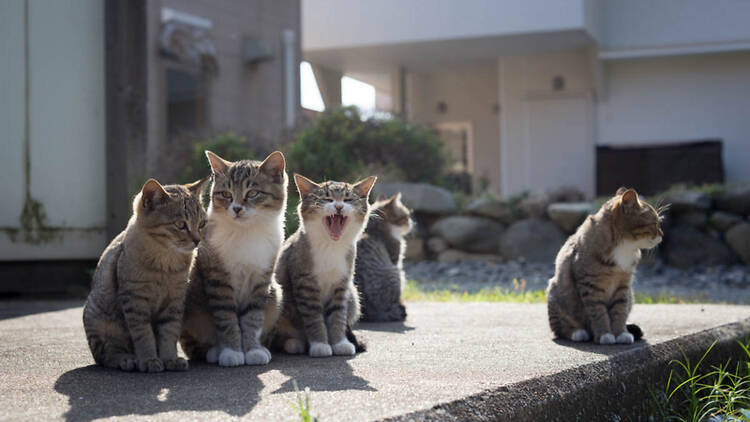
(673, 99)
(63, 191)
(470, 94)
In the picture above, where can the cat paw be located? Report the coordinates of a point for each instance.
(344, 347)
(625, 338)
(258, 356)
(229, 357)
(150, 365)
(607, 338)
(127, 364)
(212, 355)
(294, 346)
(580, 335)
(320, 350)
(176, 364)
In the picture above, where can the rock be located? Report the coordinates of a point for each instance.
(420, 197)
(414, 249)
(565, 194)
(534, 205)
(736, 201)
(454, 255)
(738, 238)
(723, 220)
(436, 244)
(494, 208)
(532, 239)
(473, 234)
(693, 219)
(687, 246)
(569, 215)
(688, 201)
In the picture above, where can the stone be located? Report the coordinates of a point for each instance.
(694, 219)
(686, 246)
(688, 201)
(455, 255)
(723, 220)
(534, 205)
(468, 233)
(420, 197)
(414, 249)
(436, 244)
(736, 201)
(494, 208)
(532, 239)
(569, 215)
(738, 238)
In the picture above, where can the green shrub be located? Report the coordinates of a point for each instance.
(227, 145)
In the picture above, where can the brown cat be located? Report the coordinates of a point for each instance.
(133, 314)
(590, 294)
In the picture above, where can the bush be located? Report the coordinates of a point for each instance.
(342, 146)
(227, 145)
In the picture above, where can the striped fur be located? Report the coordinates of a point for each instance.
(133, 314)
(233, 300)
(590, 295)
(315, 270)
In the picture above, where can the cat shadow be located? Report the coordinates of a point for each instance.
(320, 374)
(386, 327)
(602, 349)
(96, 392)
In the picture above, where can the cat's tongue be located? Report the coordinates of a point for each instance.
(335, 225)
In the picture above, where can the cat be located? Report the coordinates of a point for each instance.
(133, 314)
(315, 270)
(379, 273)
(233, 299)
(590, 294)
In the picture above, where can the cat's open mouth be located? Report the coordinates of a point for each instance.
(335, 224)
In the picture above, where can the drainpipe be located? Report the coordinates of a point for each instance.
(290, 90)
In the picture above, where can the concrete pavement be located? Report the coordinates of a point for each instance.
(463, 354)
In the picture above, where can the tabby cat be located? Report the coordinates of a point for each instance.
(315, 269)
(233, 299)
(133, 314)
(379, 273)
(590, 294)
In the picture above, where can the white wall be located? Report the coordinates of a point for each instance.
(66, 114)
(328, 24)
(680, 98)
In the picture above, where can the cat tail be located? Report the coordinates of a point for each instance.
(359, 346)
(635, 331)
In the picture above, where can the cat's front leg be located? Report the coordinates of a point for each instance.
(251, 317)
(596, 310)
(168, 325)
(618, 314)
(221, 305)
(307, 299)
(136, 310)
(336, 321)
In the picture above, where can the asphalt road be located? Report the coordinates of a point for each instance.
(444, 352)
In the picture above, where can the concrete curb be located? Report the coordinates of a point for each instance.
(614, 389)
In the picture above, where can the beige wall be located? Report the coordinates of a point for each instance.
(471, 95)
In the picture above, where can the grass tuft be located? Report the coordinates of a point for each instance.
(302, 406)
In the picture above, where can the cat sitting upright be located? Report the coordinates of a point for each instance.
(379, 273)
(133, 314)
(315, 269)
(590, 295)
(233, 299)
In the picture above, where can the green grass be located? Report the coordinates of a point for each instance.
(695, 393)
(302, 406)
(414, 292)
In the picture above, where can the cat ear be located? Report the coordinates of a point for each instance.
(218, 164)
(274, 165)
(196, 188)
(304, 185)
(621, 190)
(363, 186)
(152, 193)
(630, 197)
(395, 198)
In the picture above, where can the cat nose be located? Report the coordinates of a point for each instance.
(339, 207)
(237, 209)
(196, 241)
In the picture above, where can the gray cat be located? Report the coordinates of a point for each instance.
(379, 273)
(315, 269)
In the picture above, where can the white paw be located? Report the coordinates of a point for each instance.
(580, 335)
(259, 356)
(625, 338)
(229, 357)
(320, 350)
(294, 346)
(212, 356)
(607, 338)
(344, 347)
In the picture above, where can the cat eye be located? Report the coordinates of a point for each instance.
(181, 225)
(227, 195)
(348, 199)
(329, 199)
(252, 194)
(202, 224)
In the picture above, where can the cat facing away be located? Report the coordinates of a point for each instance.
(133, 314)
(233, 300)
(316, 266)
(590, 294)
(379, 274)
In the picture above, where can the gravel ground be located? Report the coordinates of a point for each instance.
(729, 284)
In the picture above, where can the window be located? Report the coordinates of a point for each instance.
(310, 93)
